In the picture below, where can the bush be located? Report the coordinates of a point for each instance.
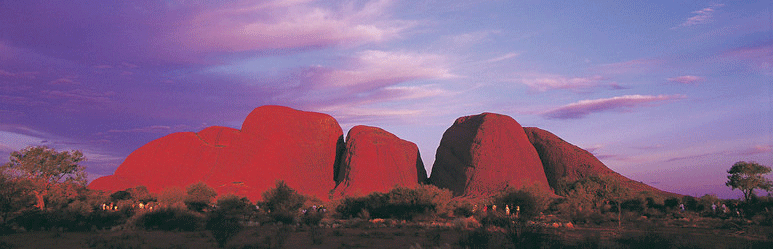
(199, 196)
(531, 199)
(223, 226)
(282, 198)
(169, 219)
(171, 196)
(400, 203)
(282, 203)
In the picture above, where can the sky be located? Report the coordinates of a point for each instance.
(670, 93)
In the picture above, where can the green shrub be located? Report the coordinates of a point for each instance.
(400, 203)
(169, 219)
(199, 196)
(531, 200)
(223, 226)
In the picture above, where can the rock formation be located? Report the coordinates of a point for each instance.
(275, 143)
(481, 155)
(561, 159)
(376, 160)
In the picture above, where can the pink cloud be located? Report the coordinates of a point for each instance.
(757, 56)
(64, 81)
(543, 83)
(686, 79)
(757, 149)
(80, 97)
(20, 75)
(627, 67)
(279, 25)
(373, 68)
(702, 16)
(583, 108)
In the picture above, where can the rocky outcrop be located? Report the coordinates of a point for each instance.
(376, 160)
(275, 143)
(562, 160)
(483, 154)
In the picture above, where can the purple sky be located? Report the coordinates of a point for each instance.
(670, 93)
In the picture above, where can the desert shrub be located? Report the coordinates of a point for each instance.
(141, 194)
(102, 219)
(171, 196)
(462, 207)
(634, 205)
(199, 196)
(282, 203)
(32, 219)
(690, 203)
(169, 219)
(282, 197)
(223, 226)
(531, 199)
(400, 202)
(120, 195)
(671, 203)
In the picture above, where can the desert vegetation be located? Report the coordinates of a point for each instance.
(593, 212)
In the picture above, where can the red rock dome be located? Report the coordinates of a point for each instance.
(275, 143)
(483, 154)
(376, 160)
(561, 159)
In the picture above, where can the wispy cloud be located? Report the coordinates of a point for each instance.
(636, 66)
(701, 16)
(289, 25)
(23, 75)
(543, 83)
(757, 57)
(583, 108)
(64, 81)
(503, 57)
(686, 79)
(757, 149)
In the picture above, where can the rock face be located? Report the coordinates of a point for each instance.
(481, 155)
(376, 160)
(561, 159)
(275, 143)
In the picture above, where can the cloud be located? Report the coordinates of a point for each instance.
(756, 56)
(757, 149)
(543, 83)
(282, 25)
(702, 16)
(187, 32)
(583, 108)
(80, 98)
(64, 81)
(636, 66)
(686, 79)
(374, 68)
(503, 57)
(20, 75)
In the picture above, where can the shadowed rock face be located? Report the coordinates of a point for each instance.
(376, 160)
(561, 159)
(481, 155)
(275, 143)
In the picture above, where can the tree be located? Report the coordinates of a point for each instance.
(748, 176)
(596, 191)
(282, 198)
(45, 168)
(200, 196)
